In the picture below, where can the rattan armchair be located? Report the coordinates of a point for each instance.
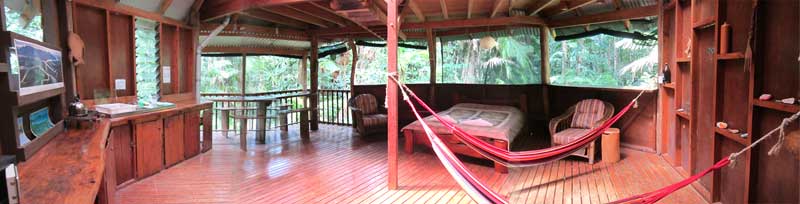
(368, 116)
(564, 128)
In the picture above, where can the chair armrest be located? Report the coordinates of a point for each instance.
(561, 122)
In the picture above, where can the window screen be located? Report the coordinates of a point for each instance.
(220, 74)
(24, 17)
(147, 59)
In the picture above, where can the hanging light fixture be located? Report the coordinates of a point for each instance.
(488, 42)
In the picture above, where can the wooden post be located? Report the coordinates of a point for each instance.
(432, 58)
(544, 54)
(314, 82)
(391, 91)
(242, 76)
(354, 48)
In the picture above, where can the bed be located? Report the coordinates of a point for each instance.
(498, 122)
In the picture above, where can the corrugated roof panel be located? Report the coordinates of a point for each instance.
(147, 5)
(243, 41)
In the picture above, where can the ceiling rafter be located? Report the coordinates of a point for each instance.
(417, 11)
(445, 13)
(274, 18)
(567, 6)
(164, 6)
(539, 6)
(214, 9)
(623, 14)
(329, 10)
(480, 22)
(383, 18)
(496, 7)
(247, 30)
(330, 18)
(293, 14)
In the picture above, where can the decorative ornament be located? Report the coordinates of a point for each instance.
(765, 97)
(788, 100)
(488, 42)
(722, 125)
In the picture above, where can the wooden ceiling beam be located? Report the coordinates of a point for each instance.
(443, 4)
(309, 10)
(331, 11)
(164, 6)
(539, 6)
(496, 7)
(258, 50)
(382, 17)
(482, 22)
(257, 31)
(214, 9)
(470, 5)
(293, 14)
(274, 18)
(567, 6)
(417, 11)
(624, 14)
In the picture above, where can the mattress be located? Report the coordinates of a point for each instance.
(490, 121)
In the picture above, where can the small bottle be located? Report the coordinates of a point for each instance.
(666, 74)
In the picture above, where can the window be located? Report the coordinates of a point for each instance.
(147, 60)
(514, 60)
(271, 73)
(604, 61)
(220, 74)
(412, 64)
(334, 71)
(24, 17)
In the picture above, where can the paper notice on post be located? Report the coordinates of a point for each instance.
(166, 74)
(119, 84)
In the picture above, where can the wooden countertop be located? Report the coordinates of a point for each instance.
(68, 169)
(180, 106)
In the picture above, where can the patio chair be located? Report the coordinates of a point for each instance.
(367, 118)
(577, 121)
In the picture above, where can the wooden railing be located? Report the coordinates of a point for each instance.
(333, 108)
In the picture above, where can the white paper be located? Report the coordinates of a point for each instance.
(166, 75)
(119, 84)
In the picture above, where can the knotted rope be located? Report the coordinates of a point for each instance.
(781, 130)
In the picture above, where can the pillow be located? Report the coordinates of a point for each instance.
(587, 113)
(477, 122)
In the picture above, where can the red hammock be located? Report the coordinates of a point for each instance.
(521, 158)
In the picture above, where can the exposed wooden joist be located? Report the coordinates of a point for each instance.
(274, 18)
(417, 11)
(293, 14)
(382, 16)
(214, 9)
(164, 6)
(483, 22)
(258, 50)
(308, 10)
(443, 4)
(124, 9)
(496, 7)
(632, 13)
(470, 5)
(258, 31)
(539, 6)
(567, 6)
(329, 10)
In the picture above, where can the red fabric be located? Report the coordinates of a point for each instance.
(655, 196)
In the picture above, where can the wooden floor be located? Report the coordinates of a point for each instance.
(336, 167)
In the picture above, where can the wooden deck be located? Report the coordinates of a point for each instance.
(336, 167)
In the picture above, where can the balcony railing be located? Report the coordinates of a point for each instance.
(332, 107)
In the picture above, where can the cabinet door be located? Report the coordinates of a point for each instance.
(191, 134)
(207, 134)
(149, 148)
(108, 185)
(122, 141)
(173, 139)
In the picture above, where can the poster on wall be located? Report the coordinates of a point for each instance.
(37, 68)
(40, 122)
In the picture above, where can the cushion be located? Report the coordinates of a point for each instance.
(367, 104)
(477, 122)
(569, 135)
(375, 120)
(587, 113)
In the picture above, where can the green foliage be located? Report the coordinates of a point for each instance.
(271, 73)
(513, 61)
(220, 74)
(147, 57)
(15, 23)
(603, 61)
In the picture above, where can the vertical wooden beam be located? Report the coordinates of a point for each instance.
(65, 27)
(470, 4)
(545, 69)
(243, 75)
(391, 92)
(314, 81)
(443, 4)
(352, 43)
(432, 59)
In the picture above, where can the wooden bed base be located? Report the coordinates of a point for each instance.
(455, 144)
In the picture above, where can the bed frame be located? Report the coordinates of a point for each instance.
(418, 137)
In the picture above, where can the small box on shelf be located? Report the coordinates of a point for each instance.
(789, 108)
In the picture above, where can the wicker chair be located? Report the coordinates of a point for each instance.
(567, 127)
(368, 117)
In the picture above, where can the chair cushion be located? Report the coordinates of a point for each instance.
(569, 135)
(367, 104)
(374, 120)
(587, 113)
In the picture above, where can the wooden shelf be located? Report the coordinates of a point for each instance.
(669, 86)
(776, 106)
(683, 60)
(704, 23)
(735, 137)
(683, 115)
(731, 56)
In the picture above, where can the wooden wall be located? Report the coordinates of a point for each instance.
(638, 125)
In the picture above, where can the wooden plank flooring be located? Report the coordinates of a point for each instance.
(337, 167)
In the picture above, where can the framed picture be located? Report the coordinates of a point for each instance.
(37, 68)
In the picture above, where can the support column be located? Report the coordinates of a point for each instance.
(391, 91)
(545, 68)
(354, 49)
(432, 59)
(314, 82)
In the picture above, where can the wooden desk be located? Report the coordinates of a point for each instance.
(261, 108)
(68, 169)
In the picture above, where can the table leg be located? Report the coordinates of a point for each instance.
(283, 118)
(224, 114)
(304, 132)
(261, 122)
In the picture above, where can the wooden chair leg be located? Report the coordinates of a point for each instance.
(224, 114)
(409, 147)
(243, 135)
(498, 167)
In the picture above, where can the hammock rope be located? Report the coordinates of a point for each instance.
(483, 194)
